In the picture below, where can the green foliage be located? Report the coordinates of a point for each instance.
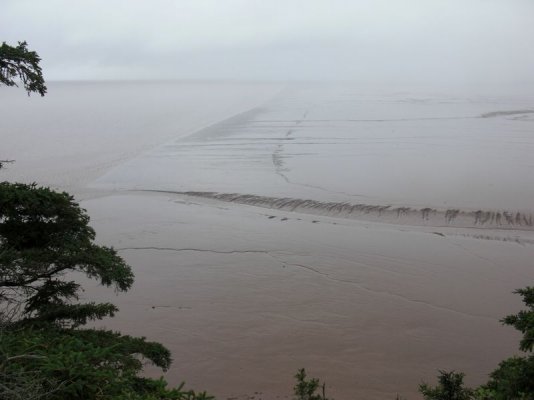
(87, 364)
(17, 384)
(523, 321)
(450, 387)
(512, 380)
(306, 389)
(44, 234)
(19, 63)
(514, 377)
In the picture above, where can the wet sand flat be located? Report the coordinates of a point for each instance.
(371, 237)
(245, 297)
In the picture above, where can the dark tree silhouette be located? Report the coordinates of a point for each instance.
(17, 62)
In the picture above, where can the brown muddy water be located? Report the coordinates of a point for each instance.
(370, 236)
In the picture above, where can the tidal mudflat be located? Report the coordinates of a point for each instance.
(371, 236)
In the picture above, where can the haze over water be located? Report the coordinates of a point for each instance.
(370, 234)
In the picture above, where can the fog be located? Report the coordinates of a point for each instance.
(406, 42)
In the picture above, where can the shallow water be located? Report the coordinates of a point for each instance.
(251, 215)
(80, 130)
(336, 144)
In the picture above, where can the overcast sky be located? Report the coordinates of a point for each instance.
(369, 40)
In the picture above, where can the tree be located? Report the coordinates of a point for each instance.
(44, 234)
(84, 364)
(512, 380)
(19, 62)
(306, 389)
(523, 321)
(514, 377)
(450, 387)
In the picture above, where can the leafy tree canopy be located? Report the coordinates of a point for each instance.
(523, 321)
(78, 364)
(308, 389)
(450, 387)
(19, 63)
(43, 235)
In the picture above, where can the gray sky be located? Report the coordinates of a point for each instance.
(404, 41)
